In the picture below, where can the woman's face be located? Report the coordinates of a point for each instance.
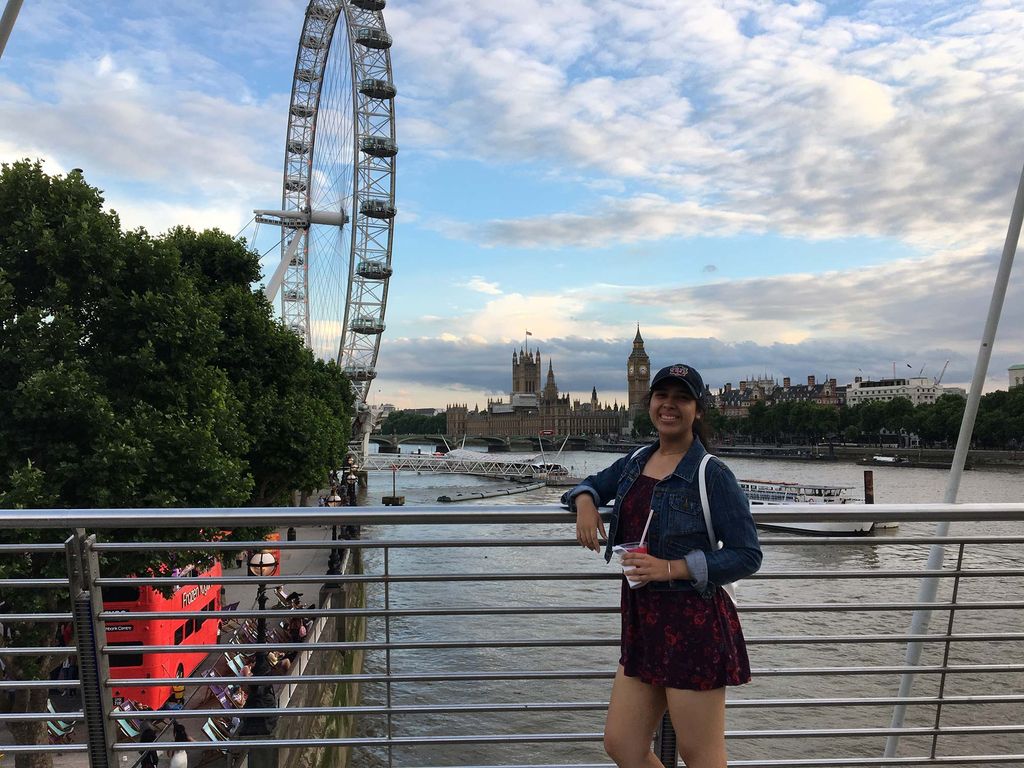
(673, 410)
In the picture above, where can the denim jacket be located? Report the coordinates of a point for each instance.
(677, 530)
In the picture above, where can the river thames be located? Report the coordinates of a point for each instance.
(892, 485)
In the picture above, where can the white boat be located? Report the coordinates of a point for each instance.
(762, 492)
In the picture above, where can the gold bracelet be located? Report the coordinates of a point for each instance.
(669, 564)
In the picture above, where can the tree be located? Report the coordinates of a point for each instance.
(940, 421)
(410, 423)
(298, 408)
(138, 372)
(642, 425)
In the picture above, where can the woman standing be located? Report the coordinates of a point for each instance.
(681, 638)
(179, 757)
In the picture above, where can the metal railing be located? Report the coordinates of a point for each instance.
(486, 636)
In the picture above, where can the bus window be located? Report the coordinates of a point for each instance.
(179, 635)
(123, 594)
(190, 627)
(125, 659)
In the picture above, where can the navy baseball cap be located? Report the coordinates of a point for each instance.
(685, 375)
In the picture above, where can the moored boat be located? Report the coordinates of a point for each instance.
(904, 461)
(762, 492)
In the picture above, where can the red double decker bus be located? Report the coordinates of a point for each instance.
(188, 633)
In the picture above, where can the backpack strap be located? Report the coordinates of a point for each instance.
(705, 503)
(638, 451)
(730, 589)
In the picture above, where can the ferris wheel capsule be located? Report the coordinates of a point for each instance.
(338, 191)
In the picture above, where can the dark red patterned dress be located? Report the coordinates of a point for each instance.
(676, 639)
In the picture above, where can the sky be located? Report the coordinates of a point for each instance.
(763, 188)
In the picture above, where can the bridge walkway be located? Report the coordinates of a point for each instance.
(459, 462)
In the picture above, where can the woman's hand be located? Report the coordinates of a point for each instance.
(589, 525)
(648, 568)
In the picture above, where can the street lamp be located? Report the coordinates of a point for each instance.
(262, 565)
(334, 560)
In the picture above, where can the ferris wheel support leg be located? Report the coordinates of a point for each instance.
(274, 284)
(364, 443)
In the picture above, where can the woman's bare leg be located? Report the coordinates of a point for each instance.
(698, 718)
(634, 712)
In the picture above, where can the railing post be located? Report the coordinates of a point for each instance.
(90, 640)
(665, 743)
(387, 652)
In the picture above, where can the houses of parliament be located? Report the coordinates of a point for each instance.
(533, 409)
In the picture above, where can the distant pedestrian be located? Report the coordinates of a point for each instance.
(150, 758)
(179, 757)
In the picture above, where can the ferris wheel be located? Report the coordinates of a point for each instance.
(338, 193)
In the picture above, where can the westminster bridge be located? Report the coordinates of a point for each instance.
(495, 444)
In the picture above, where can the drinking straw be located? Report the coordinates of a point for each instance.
(643, 536)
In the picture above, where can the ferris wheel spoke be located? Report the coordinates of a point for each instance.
(338, 198)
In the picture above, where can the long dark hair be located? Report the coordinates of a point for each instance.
(701, 428)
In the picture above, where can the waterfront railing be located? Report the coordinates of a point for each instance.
(486, 636)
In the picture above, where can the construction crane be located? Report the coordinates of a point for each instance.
(941, 374)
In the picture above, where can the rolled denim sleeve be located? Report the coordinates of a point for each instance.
(569, 497)
(602, 486)
(697, 562)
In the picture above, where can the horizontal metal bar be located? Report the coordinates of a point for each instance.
(428, 578)
(26, 749)
(34, 716)
(491, 543)
(831, 733)
(530, 738)
(546, 706)
(19, 549)
(820, 762)
(568, 643)
(10, 618)
(565, 674)
(16, 684)
(478, 514)
(120, 616)
(57, 650)
(885, 762)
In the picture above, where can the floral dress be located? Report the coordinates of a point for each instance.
(676, 639)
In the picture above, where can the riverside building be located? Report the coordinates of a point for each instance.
(1016, 375)
(533, 409)
(732, 401)
(916, 389)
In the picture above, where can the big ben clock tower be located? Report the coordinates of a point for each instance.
(638, 375)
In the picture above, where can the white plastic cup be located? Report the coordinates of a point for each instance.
(621, 549)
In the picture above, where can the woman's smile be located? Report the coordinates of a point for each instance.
(673, 410)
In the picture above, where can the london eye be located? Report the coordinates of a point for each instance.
(338, 189)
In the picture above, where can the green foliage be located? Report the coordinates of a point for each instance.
(1000, 422)
(143, 372)
(409, 423)
(642, 425)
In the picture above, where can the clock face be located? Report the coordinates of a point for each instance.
(630, 370)
(643, 369)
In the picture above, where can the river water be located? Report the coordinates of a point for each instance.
(892, 485)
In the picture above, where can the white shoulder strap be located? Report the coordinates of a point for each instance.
(730, 589)
(703, 484)
(638, 451)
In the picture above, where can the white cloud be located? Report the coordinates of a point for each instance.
(480, 285)
(826, 126)
(647, 217)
